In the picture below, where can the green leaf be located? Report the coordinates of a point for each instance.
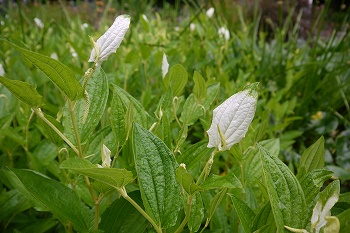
(199, 88)
(121, 216)
(97, 89)
(61, 75)
(192, 110)
(194, 154)
(285, 193)
(344, 221)
(121, 103)
(176, 79)
(114, 177)
(312, 158)
(245, 214)
(197, 213)
(253, 164)
(217, 182)
(311, 184)
(264, 217)
(24, 92)
(156, 166)
(12, 203)
(185, 179)
(214, 203)
(53, 196)
(49, 132)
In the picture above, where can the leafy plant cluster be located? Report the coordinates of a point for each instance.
(162, 176)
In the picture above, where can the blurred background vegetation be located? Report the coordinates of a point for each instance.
(299, 51)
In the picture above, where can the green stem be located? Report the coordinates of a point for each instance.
(188, 213)
(144, 214)
(207, 167)
(40, 114)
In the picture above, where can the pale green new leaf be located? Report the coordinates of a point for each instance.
(285, 193)
(199, 89)
(51, 195)
(61, 75)
(156, 168)
(176, 79)
(114, 177)
(24, 92)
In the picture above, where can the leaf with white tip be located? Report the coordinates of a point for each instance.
(110, 41)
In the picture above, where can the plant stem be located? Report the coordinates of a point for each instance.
(188, 212)
(144, 214)
(207, 167)
(42, 117)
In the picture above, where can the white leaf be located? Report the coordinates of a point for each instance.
(106, 156)
(321, 212)
(39, 23)
(110, 41)
(210, 12)
(2, 71)
(232, 118)
(165, 65)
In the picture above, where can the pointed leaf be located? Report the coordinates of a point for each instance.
(156, 166)
(52, 195)
(264, 217)
(215, 202)
(245, 214)
(114, 177)
(312, 158)
(285, 193)
(61, 75)
(24, 92)
(49, 132)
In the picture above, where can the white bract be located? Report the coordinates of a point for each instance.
(224, 32)
(39, 23)
(106, 157)
(323, 211)
(54, 56)
(192, 27)
(210, 12)
(110, 41)
(165, 65)
(232, 118)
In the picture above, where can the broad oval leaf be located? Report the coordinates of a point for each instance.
(97, 89)
(156, 166)
(285, 193)
(24, 92)
(114, 177)
(61, 75)
(53, 196)
(176, 79)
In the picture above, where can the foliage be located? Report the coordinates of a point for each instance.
(58, 115)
